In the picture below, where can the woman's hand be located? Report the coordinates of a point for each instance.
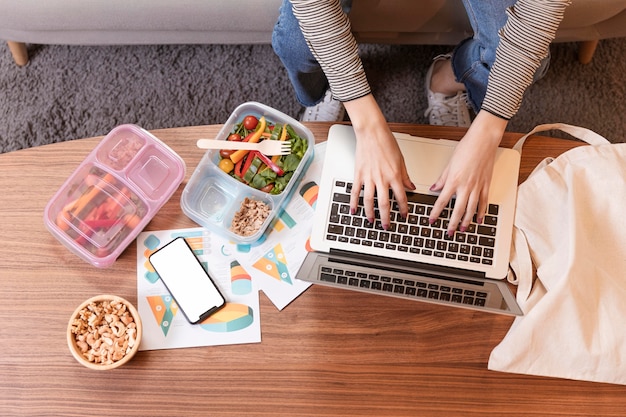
(468, 174)
(379, 162)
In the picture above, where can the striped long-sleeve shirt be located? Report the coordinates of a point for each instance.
(524, 43)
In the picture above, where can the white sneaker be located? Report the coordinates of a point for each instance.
(446, 110)
(327, 110)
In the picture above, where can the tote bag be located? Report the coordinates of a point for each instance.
(569, 260)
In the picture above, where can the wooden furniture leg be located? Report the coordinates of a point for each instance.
(18, 50)
(586, 50)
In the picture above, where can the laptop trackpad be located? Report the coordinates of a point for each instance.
(427, 159)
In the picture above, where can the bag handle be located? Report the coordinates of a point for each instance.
(520, 266)
(581, 133)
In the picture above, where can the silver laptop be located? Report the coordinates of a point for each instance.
(413, 259)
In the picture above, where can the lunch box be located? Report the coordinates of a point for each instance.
(113, 194)
(212, 197)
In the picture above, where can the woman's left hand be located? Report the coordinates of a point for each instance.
(468, 174)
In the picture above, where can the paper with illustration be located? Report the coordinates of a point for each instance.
(165, 327)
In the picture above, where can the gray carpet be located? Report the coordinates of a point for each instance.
(70, 92)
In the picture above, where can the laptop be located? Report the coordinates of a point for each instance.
(412, 259)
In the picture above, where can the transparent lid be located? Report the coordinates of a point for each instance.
(113, 194)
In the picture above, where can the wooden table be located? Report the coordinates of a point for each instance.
(331, 352)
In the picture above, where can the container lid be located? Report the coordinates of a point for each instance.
(113, 194)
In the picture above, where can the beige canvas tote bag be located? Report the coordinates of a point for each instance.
(569, 260)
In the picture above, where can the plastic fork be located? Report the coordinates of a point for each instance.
(267, 147)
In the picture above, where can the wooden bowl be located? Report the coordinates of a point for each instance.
(104, 332)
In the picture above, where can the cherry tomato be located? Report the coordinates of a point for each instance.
(226, 165)
(250, 122)
(235, 137)
(226, 153)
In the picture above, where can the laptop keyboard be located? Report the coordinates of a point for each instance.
(401, 287)
(412, 234)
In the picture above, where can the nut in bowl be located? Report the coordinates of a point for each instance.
(104, 332)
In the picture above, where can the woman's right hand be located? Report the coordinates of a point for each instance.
(379, 163)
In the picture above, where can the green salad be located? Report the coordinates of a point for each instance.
(265, 173)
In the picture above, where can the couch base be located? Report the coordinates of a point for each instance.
(586, 49)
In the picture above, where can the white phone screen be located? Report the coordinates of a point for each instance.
(187, 280)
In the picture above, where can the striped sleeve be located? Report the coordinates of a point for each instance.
(524, 42)
(327, 31)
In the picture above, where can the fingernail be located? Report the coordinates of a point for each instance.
(371, 220)
(431, 221)
(385, 226)
(450, 233)
(413, 187)
(463, 229)
(352, 210)
(432, 187)
(479, 220)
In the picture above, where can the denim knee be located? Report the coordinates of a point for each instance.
(288, 42)
(473, 58)
(305, 73)
(303, 70)
(471, 67)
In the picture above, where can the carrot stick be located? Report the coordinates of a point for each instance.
(131, 220)
(238, 155)
(86, 198)
(62, 220)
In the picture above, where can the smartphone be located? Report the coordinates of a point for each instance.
(188, 282)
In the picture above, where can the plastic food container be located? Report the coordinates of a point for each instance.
(113, 194)
(212, 197)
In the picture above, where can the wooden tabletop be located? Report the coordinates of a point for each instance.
(329, 353)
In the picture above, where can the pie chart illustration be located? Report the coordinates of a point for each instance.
(231, 318)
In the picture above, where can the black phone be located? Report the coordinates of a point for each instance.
(188, 282)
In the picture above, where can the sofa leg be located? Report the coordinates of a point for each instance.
(19, 52)
(586, 50)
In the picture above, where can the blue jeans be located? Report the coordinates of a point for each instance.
(303, 70)
(471, 60)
